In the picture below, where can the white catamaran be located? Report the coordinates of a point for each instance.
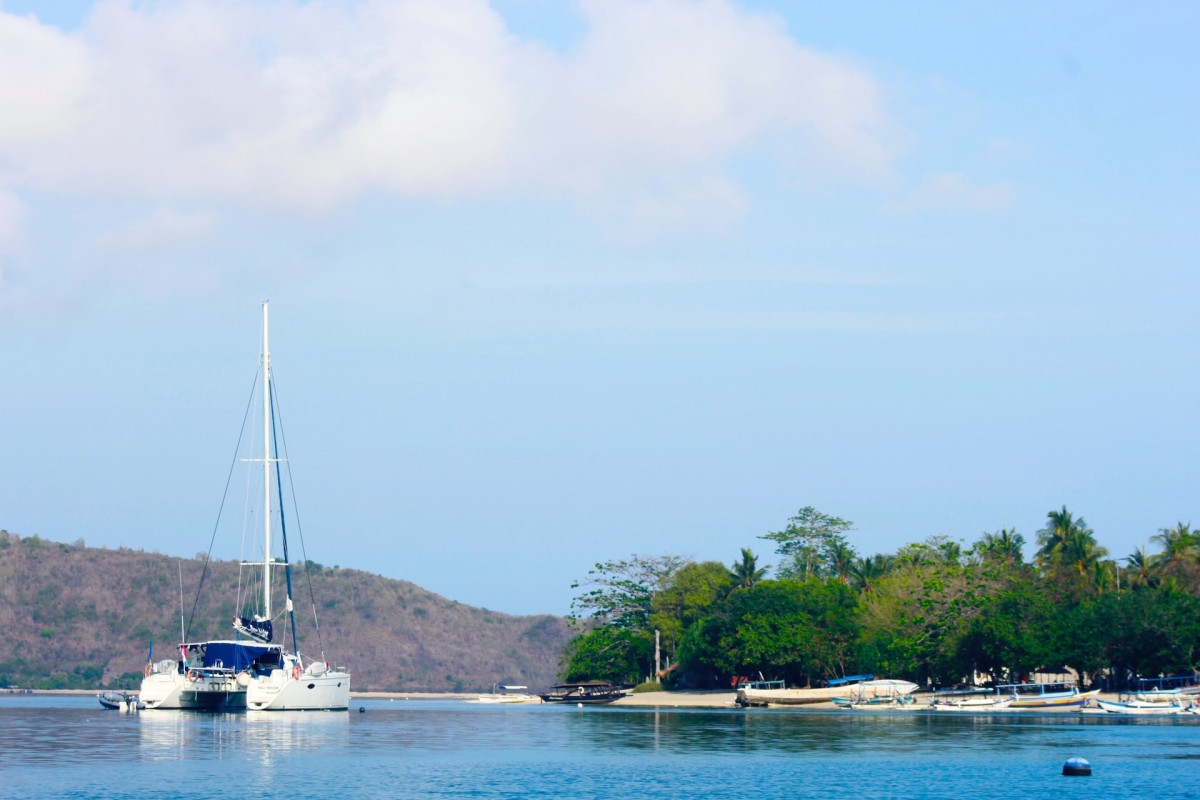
(252, 673)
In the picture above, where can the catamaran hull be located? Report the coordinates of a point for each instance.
(176, 691)
(281, 691)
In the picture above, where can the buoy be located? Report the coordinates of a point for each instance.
(1077, 766)
(361, 710)
(579, 705)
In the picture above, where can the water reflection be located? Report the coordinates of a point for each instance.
(431, 750)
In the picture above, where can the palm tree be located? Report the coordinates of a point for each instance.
(1143, 568)
(746, 572)
(1004, 545)
(866, 572)
(1179, 544)
(1068, 543)
(841, 559)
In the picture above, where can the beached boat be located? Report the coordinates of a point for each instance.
(979, 701)
(589, 693)
(1136, 707)
(1175, 686)
(502, 694)
(856, 688)
(1060, 694)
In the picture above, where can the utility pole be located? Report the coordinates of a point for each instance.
(656, 655)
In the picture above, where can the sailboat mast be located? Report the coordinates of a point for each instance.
(266, 470)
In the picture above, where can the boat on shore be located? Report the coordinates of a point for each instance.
(1135, 707)
(1060, 694)
(979, 701)
(504, 695)
(842, 691)
(1175, 686)
(588, 693)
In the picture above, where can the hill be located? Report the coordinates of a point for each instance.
(83, 617)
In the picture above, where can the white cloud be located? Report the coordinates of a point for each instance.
(952, 191)
(305, 106)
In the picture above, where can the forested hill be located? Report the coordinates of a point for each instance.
(82, 617)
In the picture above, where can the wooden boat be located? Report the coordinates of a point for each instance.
(979, 702)
(589, 693)
(1062, 694)
(1159, 689)
(1144, 708)
(856, 688)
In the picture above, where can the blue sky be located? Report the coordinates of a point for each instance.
(553, 283)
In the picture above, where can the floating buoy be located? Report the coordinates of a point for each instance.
(361, 710)
(1077, 766)
(579, 705)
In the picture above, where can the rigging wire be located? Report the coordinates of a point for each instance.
(296, 513)
(220, 510)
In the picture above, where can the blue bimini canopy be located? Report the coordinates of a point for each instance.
(238, 656)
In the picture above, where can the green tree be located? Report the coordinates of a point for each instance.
(686, 596)
(1068, 552)
(806, 541)
(611, 654)
(622, 592)
(784, 629)
(1004, 546)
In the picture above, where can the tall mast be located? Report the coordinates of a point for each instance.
(266, 470)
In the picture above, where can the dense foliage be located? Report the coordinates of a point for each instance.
(935, 611)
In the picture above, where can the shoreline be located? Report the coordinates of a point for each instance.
(678, 699)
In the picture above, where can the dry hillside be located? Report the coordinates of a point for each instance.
(75, 616)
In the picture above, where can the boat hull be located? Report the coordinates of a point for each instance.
(1048, 701)
(198, 693)
(1141, 708)
(281, 690)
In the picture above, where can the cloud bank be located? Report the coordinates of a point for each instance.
(307, 106)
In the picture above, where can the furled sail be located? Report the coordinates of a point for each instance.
(258, 628)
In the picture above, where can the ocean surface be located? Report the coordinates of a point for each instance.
(70, 747)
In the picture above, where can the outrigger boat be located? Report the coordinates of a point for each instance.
(1061, 694)
(590, 693)
(980, 701)
(1133, 706)
(1152, 689)
(841, 691)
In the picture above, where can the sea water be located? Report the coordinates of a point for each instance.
(70, 747)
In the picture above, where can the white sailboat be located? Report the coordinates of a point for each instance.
(293, 683)
(252, 672)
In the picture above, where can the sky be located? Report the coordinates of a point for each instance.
(554, 283)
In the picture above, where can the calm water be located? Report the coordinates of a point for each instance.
(57, 747)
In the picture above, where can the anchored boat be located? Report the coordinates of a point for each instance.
(252, 672)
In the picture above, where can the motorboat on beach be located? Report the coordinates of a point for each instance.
(1175, 686)
(1059, 694)
(505, 694)
(1134, 707)
(841, 691)
(980, 701)
(588, 693)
